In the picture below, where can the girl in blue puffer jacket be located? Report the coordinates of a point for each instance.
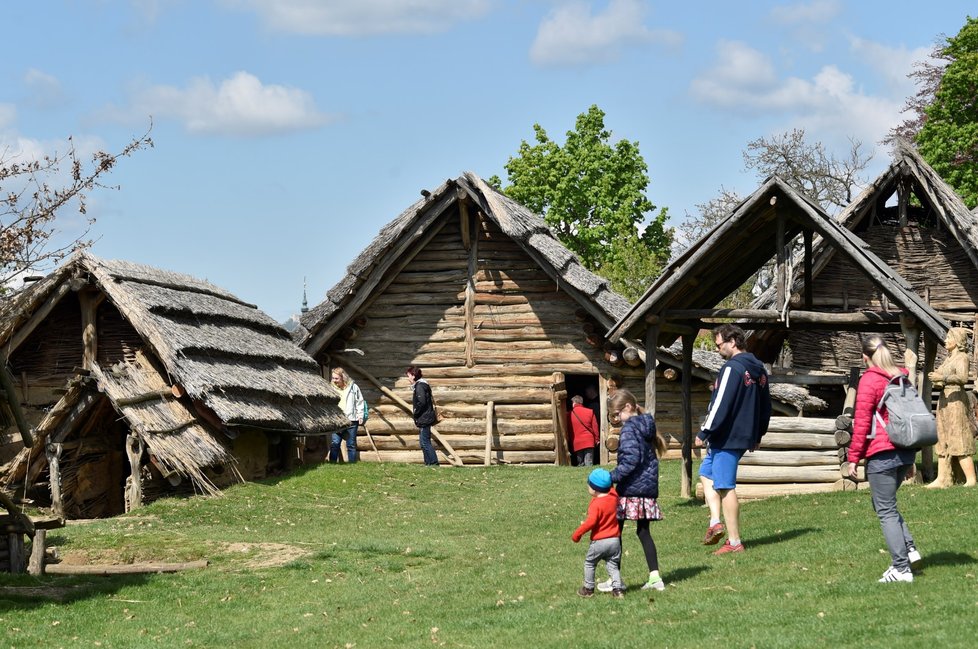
(637, 475)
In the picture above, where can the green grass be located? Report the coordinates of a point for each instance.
(390, 555)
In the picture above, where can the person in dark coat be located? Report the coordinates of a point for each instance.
(637, 478)
(424, 414)
(739, 413)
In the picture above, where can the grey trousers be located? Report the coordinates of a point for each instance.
(883, 487)
(610, 551)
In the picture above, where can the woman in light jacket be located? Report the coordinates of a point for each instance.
(886, 465)
(351, 400)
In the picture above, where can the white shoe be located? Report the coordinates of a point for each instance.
(913, 555)
(658, 584)
(892, 574)
(606, 587)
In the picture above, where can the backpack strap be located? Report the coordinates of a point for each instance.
(899, 379)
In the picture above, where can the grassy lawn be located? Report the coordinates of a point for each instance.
(382, 555)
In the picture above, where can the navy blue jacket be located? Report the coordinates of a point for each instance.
(637, 473)
(740, 408)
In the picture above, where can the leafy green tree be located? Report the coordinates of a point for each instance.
(948, 138)
(592, 194)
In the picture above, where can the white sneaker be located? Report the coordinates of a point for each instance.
(892, 574)
(606, 587)
(658, 584)
(913, 555)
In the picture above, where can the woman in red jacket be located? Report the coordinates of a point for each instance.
(886, 465)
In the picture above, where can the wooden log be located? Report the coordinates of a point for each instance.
(631, 356)
(490, 407)
(801, 424)
(38, 547)
(371, 440)
(53, 454)
(404, 440)
(800, 441)
(758, 473)
(13, 403)
(791, 458)
(759, 490)
(843, 437)
(124, 569)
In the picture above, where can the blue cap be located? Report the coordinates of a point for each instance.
(600, 480)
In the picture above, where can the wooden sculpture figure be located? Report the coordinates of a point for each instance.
(955, 435)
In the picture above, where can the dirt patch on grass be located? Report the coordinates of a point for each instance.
(262, 555)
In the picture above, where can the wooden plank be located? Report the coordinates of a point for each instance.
(123, 569)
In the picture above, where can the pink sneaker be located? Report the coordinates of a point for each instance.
(714, 533)
(726, 548)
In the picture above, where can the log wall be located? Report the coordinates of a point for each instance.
(484, 325)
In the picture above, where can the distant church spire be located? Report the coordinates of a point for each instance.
(305, 302)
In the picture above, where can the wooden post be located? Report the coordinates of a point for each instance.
(38, 546)
(687, 413)
(473, 269)
(808, 270)
(651, 356)
(53, 453)
(89, 300)
(134, 484)
(15, 548)
(7, 384)
(930, 355)
(372, 445)
(603, 417)
(490, 416)
(780, 270)
(903, 196)
(558, 412)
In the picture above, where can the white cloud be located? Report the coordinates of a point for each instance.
(818, 11)
(572, 35)
(8, 115)
(240, 105)
(44, 89)
(830, 105)
(808, 23)
(892, 63)
(362, 17)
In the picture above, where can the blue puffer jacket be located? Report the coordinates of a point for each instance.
(637, 473)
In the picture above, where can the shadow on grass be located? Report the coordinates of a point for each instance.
(780, 537)
(948, 559)
(682, 574)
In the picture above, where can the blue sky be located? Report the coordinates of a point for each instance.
(287, 132)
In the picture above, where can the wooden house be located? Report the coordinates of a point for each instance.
(799, 455)
(504, 321)
(916, 224)
(140, 382)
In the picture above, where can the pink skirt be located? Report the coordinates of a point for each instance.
(632, 508)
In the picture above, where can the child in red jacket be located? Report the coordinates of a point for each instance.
(602, 522)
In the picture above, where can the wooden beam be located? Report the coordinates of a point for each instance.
(770, 315)
(39, 315)
(651, 353)
(930, 356)
(687, 414)
(809, 280)
(490, 416)
(89, 299)
(123, 569)
(10, 394)
(603, 419)
(781, 278)
(465, 223)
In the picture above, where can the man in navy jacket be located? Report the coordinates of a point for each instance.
(740, 410)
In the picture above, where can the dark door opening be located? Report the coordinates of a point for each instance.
(587, 387)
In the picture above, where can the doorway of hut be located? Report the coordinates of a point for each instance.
(587, 387)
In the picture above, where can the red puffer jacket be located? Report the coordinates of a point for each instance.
(871, 387)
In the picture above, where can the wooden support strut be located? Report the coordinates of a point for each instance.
(452, 455)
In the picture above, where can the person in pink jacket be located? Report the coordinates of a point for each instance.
(886, 465)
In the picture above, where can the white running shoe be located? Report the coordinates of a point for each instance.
(892, 574)
(606, 587)
(657, 584)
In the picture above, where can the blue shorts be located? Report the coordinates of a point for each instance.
(720, 466)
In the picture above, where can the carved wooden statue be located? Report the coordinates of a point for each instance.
(955, 435)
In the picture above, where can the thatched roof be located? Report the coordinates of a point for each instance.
(738, 246)
(910, 168)
(394, 241)
(226, 355)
